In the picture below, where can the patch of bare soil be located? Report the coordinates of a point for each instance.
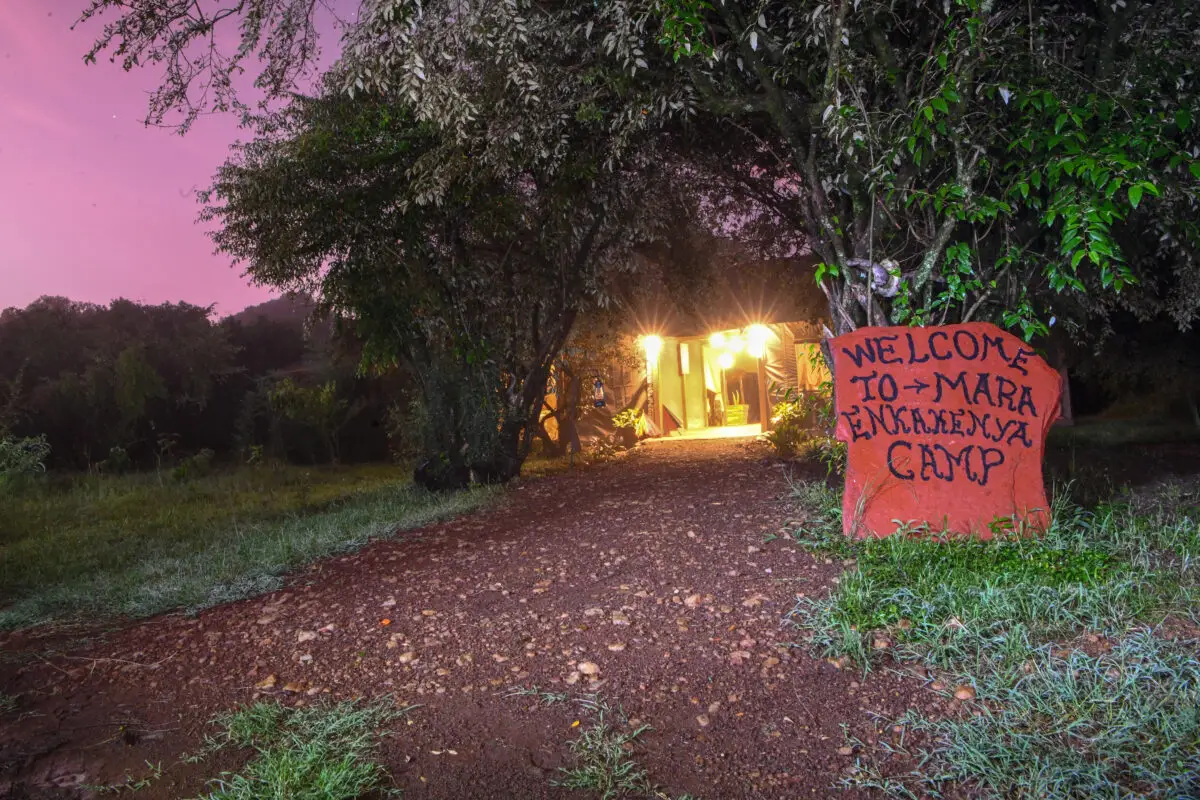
(649, 581)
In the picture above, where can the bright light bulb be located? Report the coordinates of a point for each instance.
(653, 345)
(756, 349)
(717, 340)
(759, 334)
(725, 360)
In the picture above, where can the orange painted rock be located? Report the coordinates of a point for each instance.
(945, 427)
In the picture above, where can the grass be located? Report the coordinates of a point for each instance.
(105, 546)
(603, 751)
(1079, 690)
(130, 784)
(604, 757)
(320, 752)
(8, 703)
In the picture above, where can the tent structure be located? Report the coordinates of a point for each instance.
(718, 363)
(730, 378)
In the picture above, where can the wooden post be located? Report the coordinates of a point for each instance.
(681, 346)
(1066, 416)
(764, 402)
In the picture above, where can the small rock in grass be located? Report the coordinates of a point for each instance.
(305, 636)
(616, 647)
(589, 668)
(964, 693)
(845, 750)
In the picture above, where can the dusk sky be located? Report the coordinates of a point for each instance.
(93, 204)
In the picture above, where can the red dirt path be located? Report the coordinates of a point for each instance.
(662, 553)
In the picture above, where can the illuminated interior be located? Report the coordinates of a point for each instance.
(722, 380)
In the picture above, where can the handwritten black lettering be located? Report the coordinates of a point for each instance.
(933, 352)
(891, 457)
(865, 380)
(912, 351)
(884, 348)
(861, 353)
(967, 336)
(888, 390)
(943, 381)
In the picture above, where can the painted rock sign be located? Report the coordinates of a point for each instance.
(945, 426)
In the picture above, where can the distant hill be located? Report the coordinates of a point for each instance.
(291, 309)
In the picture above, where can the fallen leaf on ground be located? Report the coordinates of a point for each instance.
(738, 656)
(964, 692)
(267, 682)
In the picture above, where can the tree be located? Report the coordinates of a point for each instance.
(964, 160)
(971, 159)
(469, 269)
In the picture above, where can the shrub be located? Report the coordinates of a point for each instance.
(21, 459)
(803, 425)
(195, 466)
(629, 418)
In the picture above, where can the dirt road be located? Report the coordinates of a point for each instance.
(659, 571)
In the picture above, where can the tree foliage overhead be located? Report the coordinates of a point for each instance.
(946, 159)
(1005, 160)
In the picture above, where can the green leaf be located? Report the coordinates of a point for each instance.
(1075, 259)
(928, 112)
(1194, 168)
(1135, 195)
(940, 105)
(1183, 119)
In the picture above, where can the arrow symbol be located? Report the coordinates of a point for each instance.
(918, 385)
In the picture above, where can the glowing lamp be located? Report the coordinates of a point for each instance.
(717, 340)
(759, 334)
(653, 345)
(756, 349)
(725, 360)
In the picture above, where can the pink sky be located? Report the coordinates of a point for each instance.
(94, 205)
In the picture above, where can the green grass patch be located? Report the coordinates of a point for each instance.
(1080, 695)
(99, 546)
(603, 750)
(319, 752)
(604, 756)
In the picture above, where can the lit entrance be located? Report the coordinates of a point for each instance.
(721, 385)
